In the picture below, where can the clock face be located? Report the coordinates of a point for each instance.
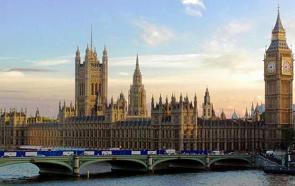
(271, 67)
(286, 67)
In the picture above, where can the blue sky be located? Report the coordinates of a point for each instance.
(182, 43)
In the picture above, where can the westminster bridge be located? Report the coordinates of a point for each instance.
(82, 165)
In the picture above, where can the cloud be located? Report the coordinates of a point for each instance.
(4, 58)
(290, 31)
(54, 62)
(194, 7)
(123, 74)
(11, 74)
(237, 27)
(29, 70)
(154, 35)
(226, 36)
(156, 61)
(233, 62)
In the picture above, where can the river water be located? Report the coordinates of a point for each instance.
(27, 174)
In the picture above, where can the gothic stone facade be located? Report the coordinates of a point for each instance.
(172, 124)
(278, 76)
(137, 96)
(91, 83)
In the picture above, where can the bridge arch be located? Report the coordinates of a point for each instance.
(247, 162)
(56, 167)
(114, 164)
(112, 160)
(52, 167)
(167, 160)
(13, 163)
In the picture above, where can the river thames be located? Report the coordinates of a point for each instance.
(27, 174)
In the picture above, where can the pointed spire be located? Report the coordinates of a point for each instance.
(207, 97)
(137, 78)
(78, 51)
(222, 115)
(235, 115)
(278, 26)
(180, 98)
(246, 113)
(112, 100)
(87, 49)
(94, 52)
(137, 62)
(37, 114)
(91, 38)
(105, 52)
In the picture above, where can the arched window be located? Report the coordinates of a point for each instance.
(92, 89)
(96, 92)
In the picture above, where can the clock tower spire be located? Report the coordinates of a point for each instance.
(278, 77)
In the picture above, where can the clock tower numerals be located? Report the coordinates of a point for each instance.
(286, 66)
(271, 67)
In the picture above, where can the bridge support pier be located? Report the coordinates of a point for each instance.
(76, 166)
(208, 162)
(150, 165)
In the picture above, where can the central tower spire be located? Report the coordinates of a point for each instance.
(91, 38)
(137, 94)
(137, 78)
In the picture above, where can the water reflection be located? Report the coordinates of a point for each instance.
(28, 174)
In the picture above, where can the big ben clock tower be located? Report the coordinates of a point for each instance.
(278, 77)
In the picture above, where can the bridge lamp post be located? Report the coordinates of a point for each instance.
(4, 135)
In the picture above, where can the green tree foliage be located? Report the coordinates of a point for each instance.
(288, 136)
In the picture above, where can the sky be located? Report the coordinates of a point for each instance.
(184, 46)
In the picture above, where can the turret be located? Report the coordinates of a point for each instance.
(222, 115)
(87, 51)
(160, 100)
(207, 97)
(104, 54)
(78, 58)
(59, 106)
(105, 62)
(180, 98)
(208, 112)
(195, 109)
(37, 114)
(95, 53)
(246, 114)
(112, 101)
(195, 103)
(153, 102)
(252, 109)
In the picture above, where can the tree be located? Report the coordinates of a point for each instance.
(288, 137)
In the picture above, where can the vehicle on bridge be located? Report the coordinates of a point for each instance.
(82, 152)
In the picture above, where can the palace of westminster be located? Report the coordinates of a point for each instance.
(174, 123)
